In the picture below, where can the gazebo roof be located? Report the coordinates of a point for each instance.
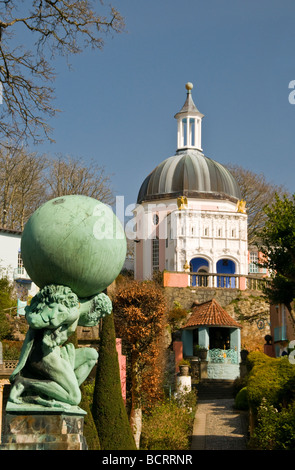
(210, 314)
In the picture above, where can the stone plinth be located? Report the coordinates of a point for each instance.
(52, 430)
(184, 384)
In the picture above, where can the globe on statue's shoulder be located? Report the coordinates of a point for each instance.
(74, 241)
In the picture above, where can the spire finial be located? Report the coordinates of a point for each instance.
(189, 86)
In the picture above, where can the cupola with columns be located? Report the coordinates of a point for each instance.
(189, 123)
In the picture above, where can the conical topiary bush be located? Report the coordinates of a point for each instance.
(108, 408)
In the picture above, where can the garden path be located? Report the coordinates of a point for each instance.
(218, 426)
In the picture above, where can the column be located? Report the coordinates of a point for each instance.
(203, 336)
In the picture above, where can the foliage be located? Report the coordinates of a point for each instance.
(257, 192)
(6, 331)
(176, 316)
(270, 392)
(28, 180)
(7, 301)
(90, 431)
(167, 427)
(275, 429)
(184, 362)
(108, 408)
(11, 349)
(139, 309)
(268, 379)
(241, 399)
(278, 247)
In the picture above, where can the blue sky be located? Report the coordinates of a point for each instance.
(118, 104)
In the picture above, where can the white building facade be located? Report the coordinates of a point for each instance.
(11, 264)
(190, 216)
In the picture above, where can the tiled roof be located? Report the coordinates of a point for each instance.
(210, 314)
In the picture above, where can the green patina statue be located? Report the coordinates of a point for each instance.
(50, 371)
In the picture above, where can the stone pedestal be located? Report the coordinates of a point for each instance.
(52, 430)
(184, 384)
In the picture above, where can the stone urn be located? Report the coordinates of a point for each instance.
(203, 354)
(184, 368)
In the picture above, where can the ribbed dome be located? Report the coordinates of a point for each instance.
(191, 174)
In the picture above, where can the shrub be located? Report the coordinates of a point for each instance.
(108, 408)
(176, 316)
(11, 350)
(275, 429)
(269, 379)
(90, 431)
(241, 400)
(167, 427)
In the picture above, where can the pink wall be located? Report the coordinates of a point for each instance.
(122, 367)
(171, 279)
(178, 353)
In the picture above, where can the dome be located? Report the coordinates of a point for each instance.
(189, 173)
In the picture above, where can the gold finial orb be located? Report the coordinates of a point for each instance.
(189, 86)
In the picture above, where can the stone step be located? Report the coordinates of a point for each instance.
(215, 389)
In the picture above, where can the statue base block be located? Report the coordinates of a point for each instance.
(50, 430)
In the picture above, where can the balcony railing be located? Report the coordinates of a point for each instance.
(229, 281)
(223, 356)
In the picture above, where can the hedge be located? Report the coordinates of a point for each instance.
(270, 379)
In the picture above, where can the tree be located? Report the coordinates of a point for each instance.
(257, 193)
(42, 28)
(28, 180)
(7, 302)
(277, 243)
(72, 176)
(108, 408)
(21, 186)
(139, 309)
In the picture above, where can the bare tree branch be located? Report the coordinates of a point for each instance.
(257, 193)
(63, 27)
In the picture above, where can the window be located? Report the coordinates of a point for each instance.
(155, 254)
(20, 264)
(206, 231)
(253, 268)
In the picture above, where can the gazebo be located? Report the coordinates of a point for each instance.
(211, 327)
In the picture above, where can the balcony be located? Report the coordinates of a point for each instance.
(21, 275)
(213, 280)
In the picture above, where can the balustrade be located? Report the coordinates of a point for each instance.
(224, 356)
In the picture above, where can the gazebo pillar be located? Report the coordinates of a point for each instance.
(203, 336)
(235, 340)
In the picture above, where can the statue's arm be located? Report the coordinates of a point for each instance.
(93, 309)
